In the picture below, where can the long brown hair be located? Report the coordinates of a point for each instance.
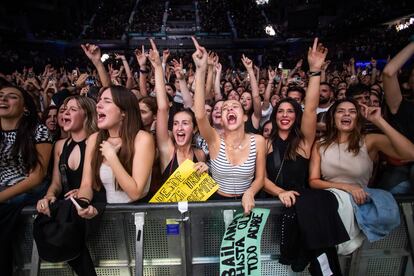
(295, 133)
(332, 134)
(125, 100)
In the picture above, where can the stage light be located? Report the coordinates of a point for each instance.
(104, 57)
(270, 30)
(262, 2)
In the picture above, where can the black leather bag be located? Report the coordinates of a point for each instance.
(61, 236)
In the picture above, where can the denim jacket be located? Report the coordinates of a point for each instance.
(378, 216)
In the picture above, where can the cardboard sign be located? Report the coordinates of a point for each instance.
(185, 184)
(240, 247)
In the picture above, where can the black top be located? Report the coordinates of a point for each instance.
(294, 174)
(249, 128)
(73, 177)
(172, 166)
(403, 119)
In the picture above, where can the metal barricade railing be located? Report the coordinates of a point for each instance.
(133, 240)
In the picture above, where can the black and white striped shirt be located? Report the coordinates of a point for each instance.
(234, 179)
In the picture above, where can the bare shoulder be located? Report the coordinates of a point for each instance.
(143, 138)
(260, 141)
(59, 145)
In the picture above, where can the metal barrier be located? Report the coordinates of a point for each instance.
(133, 240)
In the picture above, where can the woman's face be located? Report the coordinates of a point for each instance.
(346, 117)
(146, 114)
(216, 113)
(341, 94)
(233, 95)
(73, 117)
(267, 129)
(51, 120)
(232, 115)
(227, 87)
(109, 114)
(11, 103)
(285, 116)
(183, 128)
(246, 101)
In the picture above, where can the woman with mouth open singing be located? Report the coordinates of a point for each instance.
(237, 158)
(178, 148)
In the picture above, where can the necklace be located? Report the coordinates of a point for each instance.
(237, 147)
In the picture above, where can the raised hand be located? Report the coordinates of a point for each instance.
(218, 67)
(371, 113)
(271, 73)
(212, 58)
(93, 52)
(299, 64)
(316, 56)
(165, 55)
(200, 56)
(141, 57)
(153, 55)
(247, 62)
(178, 69)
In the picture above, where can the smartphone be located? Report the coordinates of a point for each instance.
(90, 81)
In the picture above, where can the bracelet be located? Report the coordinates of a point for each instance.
(144, 71)
(314, 74)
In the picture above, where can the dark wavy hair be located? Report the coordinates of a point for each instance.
(332, 134)
(125, 100)
(26, 128)
(295, 134)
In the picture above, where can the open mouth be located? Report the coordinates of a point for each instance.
(101, 117)
(180, 137)
(231, 118)
(346, 121)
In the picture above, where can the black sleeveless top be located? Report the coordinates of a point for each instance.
(294, 173)
(249, 128)
(172, 166)
(73, 177)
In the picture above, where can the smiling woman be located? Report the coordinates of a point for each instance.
(25, 147)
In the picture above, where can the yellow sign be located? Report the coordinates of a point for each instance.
(185, 184)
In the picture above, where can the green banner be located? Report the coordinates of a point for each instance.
(240, 247)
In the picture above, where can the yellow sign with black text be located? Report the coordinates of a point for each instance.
(185, 184)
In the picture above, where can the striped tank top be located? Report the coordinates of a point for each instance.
(234, 179)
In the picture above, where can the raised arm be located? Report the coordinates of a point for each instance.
(164, 142)
(392, 89)
(316, 58)
(217, 91)
(206, 130)
(211, 61)
(185, 92)
(269, 88)
(143, 71)
(257, 105)
(393, 143)
(130, 79)
(94, 54)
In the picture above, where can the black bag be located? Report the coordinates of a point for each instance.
(61, 236)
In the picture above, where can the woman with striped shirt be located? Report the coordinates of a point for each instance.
(237, 158)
